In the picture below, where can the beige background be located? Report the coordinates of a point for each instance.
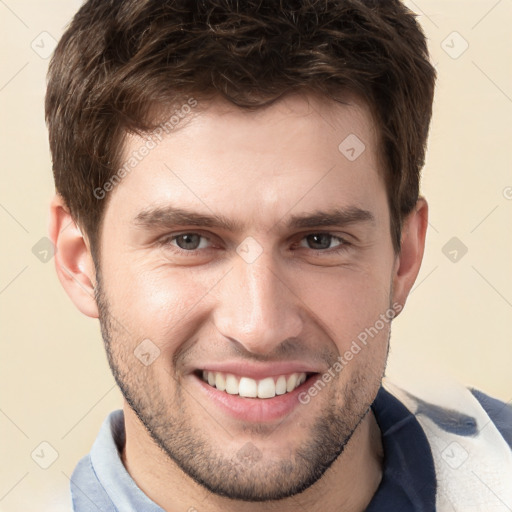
(56, 385)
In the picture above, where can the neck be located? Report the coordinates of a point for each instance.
(347, 486)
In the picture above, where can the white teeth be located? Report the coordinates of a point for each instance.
(246, 387)
(231, 384)
(218, 381)
(291, 383)
(266, 388)
(281, 385)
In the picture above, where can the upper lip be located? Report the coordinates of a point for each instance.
(260, 371)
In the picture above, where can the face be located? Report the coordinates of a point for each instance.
(247, 254)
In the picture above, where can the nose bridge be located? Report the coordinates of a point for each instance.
(257, 308)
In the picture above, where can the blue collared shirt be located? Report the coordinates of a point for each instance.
(100, 481)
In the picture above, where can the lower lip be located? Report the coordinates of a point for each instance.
(255, 410)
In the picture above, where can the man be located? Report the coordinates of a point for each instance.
(237, 202)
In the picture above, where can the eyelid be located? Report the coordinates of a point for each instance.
(332, 237)
(343, 244)
(170, 237)
(202, 240)
(343, 236)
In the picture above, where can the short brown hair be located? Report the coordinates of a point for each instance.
(118, 60)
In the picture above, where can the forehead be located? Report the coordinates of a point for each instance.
(300, 152)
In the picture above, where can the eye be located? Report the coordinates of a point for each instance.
(188, 241)
(321, 241)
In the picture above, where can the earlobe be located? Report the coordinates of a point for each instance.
(409, 260)
(73, 259)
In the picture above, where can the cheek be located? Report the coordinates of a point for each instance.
(159, 304)
(348, 301)
(169, 306)
(349, 308)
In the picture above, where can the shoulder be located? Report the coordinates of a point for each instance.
(499, 412)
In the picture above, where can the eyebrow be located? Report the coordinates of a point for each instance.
(170, 216)
(163, 217)
(336, 217)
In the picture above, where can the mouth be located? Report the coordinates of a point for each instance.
(258, 398)
(247, 387)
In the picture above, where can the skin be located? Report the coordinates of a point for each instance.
(295, 302)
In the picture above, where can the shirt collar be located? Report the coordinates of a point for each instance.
(109, 468)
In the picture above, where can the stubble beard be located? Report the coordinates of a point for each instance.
(244, 475)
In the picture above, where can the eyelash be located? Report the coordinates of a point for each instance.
(342, 247)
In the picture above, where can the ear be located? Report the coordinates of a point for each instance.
(408, 262)
(73, 259)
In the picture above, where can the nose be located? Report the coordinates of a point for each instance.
(257, 307)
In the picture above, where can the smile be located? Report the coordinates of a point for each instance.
(247, 387)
